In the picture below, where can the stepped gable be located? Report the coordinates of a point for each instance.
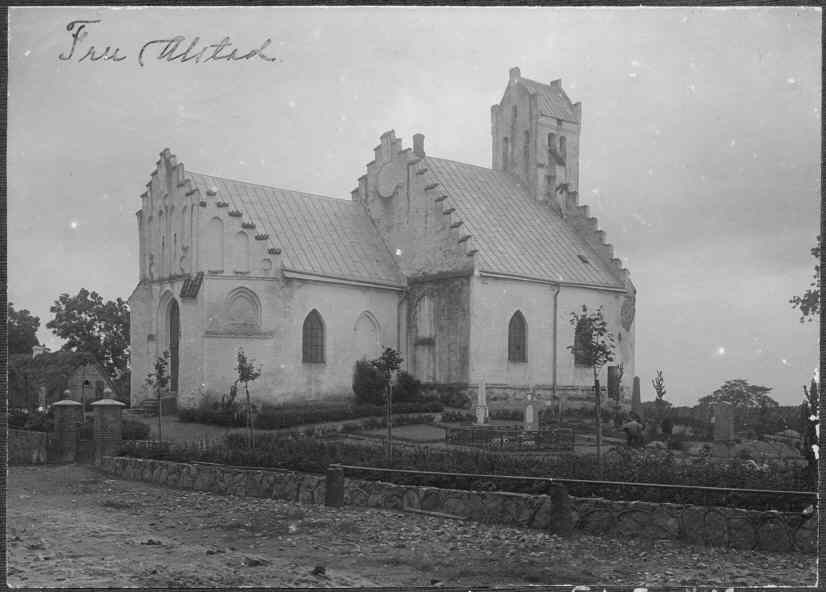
(314, 234)
(511, 233)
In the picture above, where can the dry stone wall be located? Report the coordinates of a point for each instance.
(713, 526)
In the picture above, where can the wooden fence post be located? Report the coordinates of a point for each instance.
(334, 487)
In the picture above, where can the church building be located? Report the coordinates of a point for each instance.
(472, 273)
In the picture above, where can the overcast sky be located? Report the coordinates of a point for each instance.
(700, 145)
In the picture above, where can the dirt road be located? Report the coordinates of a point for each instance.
(71, 526)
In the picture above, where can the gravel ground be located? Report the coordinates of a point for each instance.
(71, 526)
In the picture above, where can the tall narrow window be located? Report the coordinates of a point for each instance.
(506, 150)
(563, 147)
(582, 340)
(517, 338)
(313, 339)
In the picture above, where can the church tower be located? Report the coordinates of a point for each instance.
(535, 130)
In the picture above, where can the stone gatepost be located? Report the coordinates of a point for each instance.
(68, 416)
(107, 426)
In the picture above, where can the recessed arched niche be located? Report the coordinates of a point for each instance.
(243, 311)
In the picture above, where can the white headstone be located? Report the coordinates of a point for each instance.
(482, 404)
(530, 414)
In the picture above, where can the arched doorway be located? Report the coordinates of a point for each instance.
(174, 325)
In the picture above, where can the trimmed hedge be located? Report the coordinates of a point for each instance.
(278, 417)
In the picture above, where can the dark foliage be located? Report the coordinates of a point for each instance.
(368, 384)
(22, 331)
(406, 389)
(275, 417)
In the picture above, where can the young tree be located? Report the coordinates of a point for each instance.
(809, 302)
(247, 373)
(593, 347)
(388, 363)
(22, 328)
(157, 381)
(88, 324)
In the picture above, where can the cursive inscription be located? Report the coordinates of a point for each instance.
(207, 53)
(79, 34)
(173, 49)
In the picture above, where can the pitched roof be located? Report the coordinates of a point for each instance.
(52, 369)
(553, 101)
(514, 233)
(318, 235)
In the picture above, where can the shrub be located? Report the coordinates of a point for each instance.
(368, 384)
(453, 397)
(457, 417)
(407, 388)
(507, 414)
(134, 430)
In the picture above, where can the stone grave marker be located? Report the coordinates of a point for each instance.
(531, 419)
(482, 405)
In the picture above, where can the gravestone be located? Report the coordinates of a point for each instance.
(107, 426)
(531, 420)
(636, 403)
(723, 420)
(482, 405)
(67, 418)
(41, 398)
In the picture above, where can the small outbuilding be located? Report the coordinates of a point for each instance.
(41, 379)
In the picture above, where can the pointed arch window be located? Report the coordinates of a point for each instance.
(313, 339)
(517, 338)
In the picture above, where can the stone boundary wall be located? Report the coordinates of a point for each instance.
(27, 447)
(713, 526)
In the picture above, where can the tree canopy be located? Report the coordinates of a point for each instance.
(740, 393)
(88, 324)
(809, 301)
(22, 327)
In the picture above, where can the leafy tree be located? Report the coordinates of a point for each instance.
(593, 347)
(388, 363)
(740, 393)
(158, 381)
(88, 324)
(247, 373)
(22, 327)
(809, 302)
